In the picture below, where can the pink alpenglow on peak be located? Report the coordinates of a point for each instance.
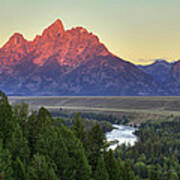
(15, 41)
(71, 47)
(53, 31)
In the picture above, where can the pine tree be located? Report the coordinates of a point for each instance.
(128, 173)
(37, 124)
(20, 170)
(152, 173)
(18, 146)
(44, 118)
(121, 167)
(112, 166)
(79, 128)
(50, 144)
(101, 171)
(32, 132)
(96, 145)
(6, 170)
(141, 169)
(42, 168)
(21, 115)
(80, 166)
(6, 119)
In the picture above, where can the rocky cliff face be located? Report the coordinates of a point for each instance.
(69, 62)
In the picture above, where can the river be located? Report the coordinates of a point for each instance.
(121, 135)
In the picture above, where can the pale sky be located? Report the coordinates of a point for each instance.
(135, 30)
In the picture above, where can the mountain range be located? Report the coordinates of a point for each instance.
(75, 62)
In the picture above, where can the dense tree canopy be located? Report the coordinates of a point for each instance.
(35, 146)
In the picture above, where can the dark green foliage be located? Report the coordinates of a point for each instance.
(18, 145)
(66, 150)
(101, 171)
(89, 119)
(112, 166)
(32, 131)
(79, 128)
(79, 162)
(126, 172)
(50, 143)
(38, 147)
(42, 168)
(6, 119)
(20, 113)
(44, 118)
(156, 154)
(20, 170)
(141, 169)
(6, 170)
(96, 145)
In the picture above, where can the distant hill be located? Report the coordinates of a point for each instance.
(159, 70)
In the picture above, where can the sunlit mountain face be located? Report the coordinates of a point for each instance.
(71, 62)
(70, 47)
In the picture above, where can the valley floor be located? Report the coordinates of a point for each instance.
(136, 109)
